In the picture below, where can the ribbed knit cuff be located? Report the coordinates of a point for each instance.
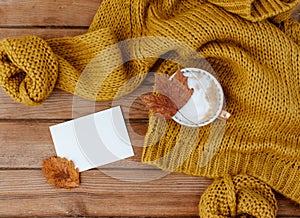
(256, 10)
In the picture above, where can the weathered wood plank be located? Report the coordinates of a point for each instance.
(45, 33)
(47, 13)
(24, 192)
(61, 105)
(27, 144)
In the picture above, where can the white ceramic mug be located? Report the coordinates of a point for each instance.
(207, 102)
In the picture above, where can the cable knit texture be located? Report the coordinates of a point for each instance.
(253, 48)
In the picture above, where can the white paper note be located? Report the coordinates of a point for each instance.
(93, 140)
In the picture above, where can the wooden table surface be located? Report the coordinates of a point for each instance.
(25, 140)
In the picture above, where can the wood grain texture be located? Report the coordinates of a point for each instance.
(62, 105)
(24, 192)
(27, 144)
(47, 13)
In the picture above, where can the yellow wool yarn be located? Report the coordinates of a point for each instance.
(241, 195)
(253, 47)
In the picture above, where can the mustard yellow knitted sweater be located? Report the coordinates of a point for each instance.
(252, 46)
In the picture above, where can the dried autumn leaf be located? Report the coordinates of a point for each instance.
(161, 105)
(174, 94)
(176, 89)
(61, 172)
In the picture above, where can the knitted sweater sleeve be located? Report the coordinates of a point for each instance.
(254, 10)
(289, 23)
(248, 43)
(291, 28)
(31, 67)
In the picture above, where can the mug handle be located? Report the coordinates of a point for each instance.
(224, 115)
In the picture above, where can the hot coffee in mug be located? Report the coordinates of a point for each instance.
(206, 103)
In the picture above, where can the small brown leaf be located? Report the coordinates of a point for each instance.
(182, 79)
(161, 105)
(176, 89)
(174, 94)
(61, 172)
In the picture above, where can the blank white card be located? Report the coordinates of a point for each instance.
(93, 140)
